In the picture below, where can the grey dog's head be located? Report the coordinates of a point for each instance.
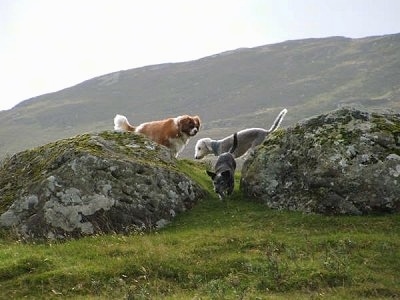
(222, 182)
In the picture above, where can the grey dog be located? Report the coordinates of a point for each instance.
(224, 176)
(248, 139)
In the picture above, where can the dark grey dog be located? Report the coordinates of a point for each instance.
(223, 177)
(248, 139)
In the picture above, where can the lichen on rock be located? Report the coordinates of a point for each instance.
(91, 184)
(344, 162)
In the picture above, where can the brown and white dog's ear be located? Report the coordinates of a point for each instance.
(197, 120)
(181, 121)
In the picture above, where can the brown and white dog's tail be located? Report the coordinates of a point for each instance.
(121, 124)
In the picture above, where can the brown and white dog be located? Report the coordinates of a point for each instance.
(173, 133)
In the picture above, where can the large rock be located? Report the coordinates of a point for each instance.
(90, 184)
(343, 162)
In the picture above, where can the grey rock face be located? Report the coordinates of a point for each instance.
(343, 162)
(90, 184)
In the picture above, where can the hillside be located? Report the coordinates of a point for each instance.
(230, 91)
(237, 249)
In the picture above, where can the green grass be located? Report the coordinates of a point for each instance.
(235, 249)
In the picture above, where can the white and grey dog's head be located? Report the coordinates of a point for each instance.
(202, 148)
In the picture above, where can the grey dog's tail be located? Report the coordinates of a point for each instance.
(278, 120)
(235, 143)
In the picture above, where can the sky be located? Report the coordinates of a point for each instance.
(49, 45)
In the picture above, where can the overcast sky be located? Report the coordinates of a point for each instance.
(48, 45)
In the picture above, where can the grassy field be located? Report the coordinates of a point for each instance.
(219, 250)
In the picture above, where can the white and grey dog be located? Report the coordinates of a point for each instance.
(248, 139)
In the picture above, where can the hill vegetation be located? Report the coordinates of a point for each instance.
(236, 249)
(230, 91)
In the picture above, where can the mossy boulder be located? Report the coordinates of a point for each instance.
(343, 162)
(90, 184)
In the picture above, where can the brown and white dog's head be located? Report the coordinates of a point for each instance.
(189, 125)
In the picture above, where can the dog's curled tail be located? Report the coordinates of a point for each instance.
(278, 120)
(234, 144)
(121, 124)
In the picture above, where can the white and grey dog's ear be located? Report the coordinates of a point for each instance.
(207, 144)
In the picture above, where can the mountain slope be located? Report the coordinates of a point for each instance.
(230, 91)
